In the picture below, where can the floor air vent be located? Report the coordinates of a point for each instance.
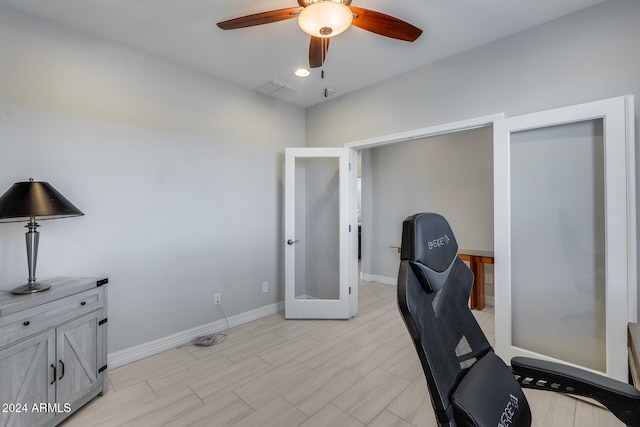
(276, 88)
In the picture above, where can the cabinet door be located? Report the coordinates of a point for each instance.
(27, 376)
(78, 357)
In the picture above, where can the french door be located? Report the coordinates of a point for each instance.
(565, 247)
(317, 233)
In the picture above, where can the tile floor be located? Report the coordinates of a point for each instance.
(285, 373)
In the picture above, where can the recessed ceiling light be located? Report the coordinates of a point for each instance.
(302, 72)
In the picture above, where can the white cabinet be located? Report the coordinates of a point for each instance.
(52, 351)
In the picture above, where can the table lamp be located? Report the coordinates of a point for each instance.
(31, 201)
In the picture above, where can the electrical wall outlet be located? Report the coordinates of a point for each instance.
(488, 279)
(217, 298)
(265, 287)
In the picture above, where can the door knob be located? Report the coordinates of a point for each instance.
(291, 242)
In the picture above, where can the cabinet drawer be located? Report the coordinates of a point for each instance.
(28, 322)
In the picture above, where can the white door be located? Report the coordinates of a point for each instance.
(317, 233)
(565, 248)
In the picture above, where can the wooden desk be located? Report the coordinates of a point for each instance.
(633, 334)
(476, 260)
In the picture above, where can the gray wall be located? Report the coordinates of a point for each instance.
(448, 174)
(589, 55)
(179, 176)
(582, 57)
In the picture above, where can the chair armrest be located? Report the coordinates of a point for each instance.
(623, 400)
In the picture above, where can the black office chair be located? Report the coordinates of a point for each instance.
(468, 383)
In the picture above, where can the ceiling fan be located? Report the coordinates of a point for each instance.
(323, 19)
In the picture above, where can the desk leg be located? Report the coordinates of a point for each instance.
(473, 303)
(479, 284)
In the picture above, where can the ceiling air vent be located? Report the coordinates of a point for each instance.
(276, 88)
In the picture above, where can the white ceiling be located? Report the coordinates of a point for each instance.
(184, 32)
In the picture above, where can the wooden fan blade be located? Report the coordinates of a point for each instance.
(384, 25)
(318, 48)
(260, 18)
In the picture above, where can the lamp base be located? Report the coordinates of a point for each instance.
(30, 288)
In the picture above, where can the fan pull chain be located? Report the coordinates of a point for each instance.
(324, 50)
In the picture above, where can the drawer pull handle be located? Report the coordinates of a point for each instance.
(26, 323)
(83, 303)
(61, 375)
(54, 373)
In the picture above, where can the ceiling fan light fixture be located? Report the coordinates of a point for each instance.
(325, 18)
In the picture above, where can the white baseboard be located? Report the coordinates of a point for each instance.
(379, 279)
(132, 354)
(150, 348)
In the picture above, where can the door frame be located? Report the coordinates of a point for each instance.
(453, 127)
(354, 147)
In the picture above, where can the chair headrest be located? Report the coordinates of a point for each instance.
(430, 247)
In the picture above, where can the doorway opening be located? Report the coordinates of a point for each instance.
(447, 169)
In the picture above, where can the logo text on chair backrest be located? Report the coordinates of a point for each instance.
(509, 411)
(440, 241)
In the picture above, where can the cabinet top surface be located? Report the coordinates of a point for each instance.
(60, 287)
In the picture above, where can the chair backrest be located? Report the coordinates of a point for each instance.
(433, 294)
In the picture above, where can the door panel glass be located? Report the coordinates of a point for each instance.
(558, 240)
(317, 222)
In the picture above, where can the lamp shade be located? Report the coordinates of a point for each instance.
(325, 18)
(33, 199)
